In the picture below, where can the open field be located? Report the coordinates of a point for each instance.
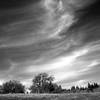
(81, 96)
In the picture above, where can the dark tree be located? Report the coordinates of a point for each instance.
(93, 86)
(1, 89)
(54, 88)
(90, 87)
(77, 89)
(73, 89)
(96, 85)
(13, 87)
(41, 83)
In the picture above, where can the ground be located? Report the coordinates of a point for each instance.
(80, 96)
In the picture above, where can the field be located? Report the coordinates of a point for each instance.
(81, 96)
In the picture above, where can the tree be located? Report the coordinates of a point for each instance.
(93, 86)
(73, 89)
(54, 88)
(13, 87)
(57, 88)
(90, 87)
(96, 85)
(77, 88)
(1, 89)
(41, 83)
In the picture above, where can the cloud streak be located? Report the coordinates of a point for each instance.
(64, 43)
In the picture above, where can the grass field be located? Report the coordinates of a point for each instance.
(81, 96)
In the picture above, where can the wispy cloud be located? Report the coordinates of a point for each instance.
(66, 45)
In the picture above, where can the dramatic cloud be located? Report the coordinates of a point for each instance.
(59, 37)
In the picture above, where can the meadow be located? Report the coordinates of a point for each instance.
(75, 96)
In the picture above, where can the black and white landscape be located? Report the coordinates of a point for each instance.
(59, 37)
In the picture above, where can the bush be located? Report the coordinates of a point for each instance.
(13, 87)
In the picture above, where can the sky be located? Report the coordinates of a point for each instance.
(59, 37)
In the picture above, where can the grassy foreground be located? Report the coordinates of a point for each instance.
(81, 96)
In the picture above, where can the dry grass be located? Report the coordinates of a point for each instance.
(80, 96)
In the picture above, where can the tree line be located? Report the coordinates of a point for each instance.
(91, 87)
(43, 83)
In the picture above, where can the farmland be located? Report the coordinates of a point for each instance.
(75, 96)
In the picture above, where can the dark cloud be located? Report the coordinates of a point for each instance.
(25, 42)
(10, 4)
(4, 64)
(88, 23)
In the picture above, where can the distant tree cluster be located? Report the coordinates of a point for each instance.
(93, 86)
(12, 87)
(89, 88)
(43, 83)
